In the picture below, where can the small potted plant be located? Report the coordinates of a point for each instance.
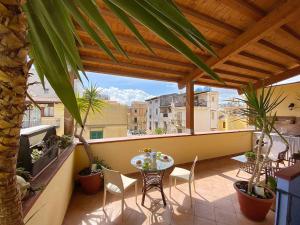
(250, 155)
(254, 198)
(63, 142)
(91, 178)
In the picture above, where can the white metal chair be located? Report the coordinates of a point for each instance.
(117, 184)
(184, 174)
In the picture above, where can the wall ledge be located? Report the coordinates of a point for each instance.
(44, 179)
(136, 138)
(289, 173)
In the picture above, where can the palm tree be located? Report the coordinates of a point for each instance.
(90, 101)
(44, 30)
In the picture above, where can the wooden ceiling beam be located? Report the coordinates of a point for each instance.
(246, 67)
(290, 31)
(276, 18)
(218, 84)
(245, 8)
(143, 57)
(227, 78)
(203, 83)
(128, 39)
(96, 60)
(209, 22)
(238, 75)
(280, 50)
(141, 75)
(260, 59)
(279, 77)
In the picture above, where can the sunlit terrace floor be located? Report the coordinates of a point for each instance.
(214, 202)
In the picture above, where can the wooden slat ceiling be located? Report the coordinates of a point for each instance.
(255, 40)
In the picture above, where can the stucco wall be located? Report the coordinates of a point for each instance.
(52, 204)
(182, 148)
(112, 120)
(292, 93)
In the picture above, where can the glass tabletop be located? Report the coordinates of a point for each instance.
(147, 163)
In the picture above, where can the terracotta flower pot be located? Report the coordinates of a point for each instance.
(91, 183)
(252, 207)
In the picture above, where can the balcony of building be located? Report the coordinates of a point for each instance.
(256, 43)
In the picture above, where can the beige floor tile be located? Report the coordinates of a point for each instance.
(214, 202)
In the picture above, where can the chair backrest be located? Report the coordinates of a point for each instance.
(113, 177)
(278, 151)
(193, 168)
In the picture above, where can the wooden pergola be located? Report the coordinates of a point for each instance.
(256, 42)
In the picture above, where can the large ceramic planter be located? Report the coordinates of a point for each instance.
(252, 207)
(91, 183)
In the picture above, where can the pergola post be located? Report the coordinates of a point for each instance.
(190, 107)
(68, 118)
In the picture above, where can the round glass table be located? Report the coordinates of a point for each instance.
(152, 169)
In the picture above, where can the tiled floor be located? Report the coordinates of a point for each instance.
(214, 202)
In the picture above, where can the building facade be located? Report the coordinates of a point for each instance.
(168, 113)
(137, 118)
(110, 122)
(50, 110)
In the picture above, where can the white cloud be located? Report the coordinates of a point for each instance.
(125, 96)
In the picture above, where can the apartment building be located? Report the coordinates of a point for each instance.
(137, 117)
(110, 122)
(168, 112)
(50, 110)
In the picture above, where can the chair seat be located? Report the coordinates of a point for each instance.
(127, 182)
(181, 173)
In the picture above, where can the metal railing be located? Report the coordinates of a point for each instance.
(291, 197)
(30, 123)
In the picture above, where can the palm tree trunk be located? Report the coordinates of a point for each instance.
(13, 85)
(86, 145)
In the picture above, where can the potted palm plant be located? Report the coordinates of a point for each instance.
(90, 178)
(256, 199)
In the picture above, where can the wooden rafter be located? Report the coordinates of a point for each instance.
(279, 77)
(96, 61)
(93, 50)
(134, 74)
(276, 18)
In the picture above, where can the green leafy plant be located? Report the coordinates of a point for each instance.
(159, 131)
(65, 141)
(36, 154)
(250, 155)
(260, 110)
(100, 164)
(272, 183)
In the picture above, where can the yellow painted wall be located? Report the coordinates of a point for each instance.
(52, 204)
(232, 123)
(112, 120)
(183, 149)
(292, 91)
